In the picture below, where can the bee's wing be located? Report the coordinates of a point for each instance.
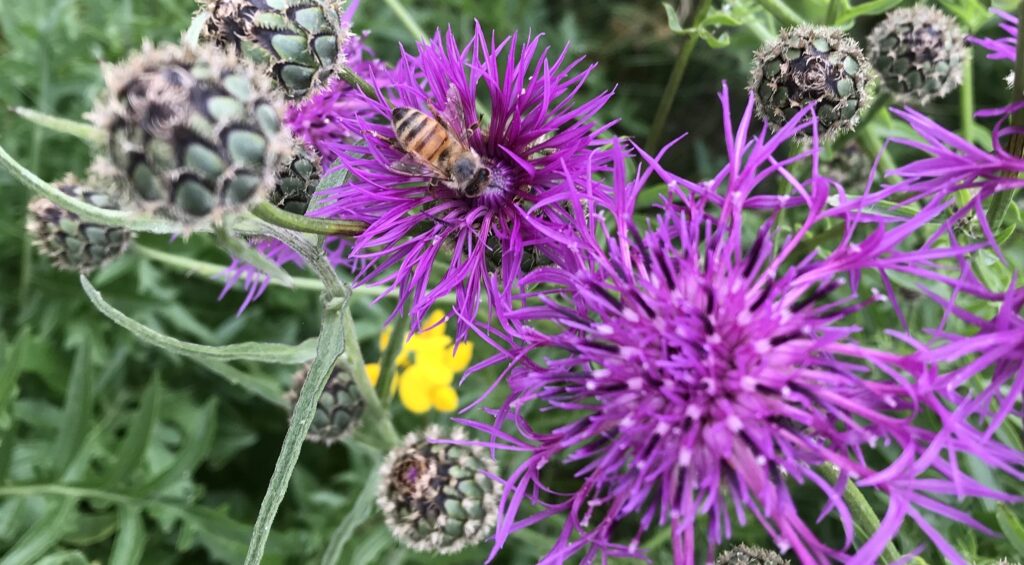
(412, 165)
(453, 118)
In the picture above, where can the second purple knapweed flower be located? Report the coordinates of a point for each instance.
(703, 370)
(428, 234)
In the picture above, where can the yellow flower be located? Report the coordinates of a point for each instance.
(426, 367)
(373, 372)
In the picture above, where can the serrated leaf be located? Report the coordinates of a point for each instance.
(1011, 527)
(43, 535)
(77, 413)
(249, 351)
(130, 543)
(361, 510)
(140, 429)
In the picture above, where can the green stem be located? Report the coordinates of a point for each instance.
(668, 96)
(86, 211)
(211, 270)
(389, 357)
(375, 411)
(781, 11)
(314, 256)
(82, 130)
(967, 99)
(330, 346)
(833, 12)
(860, 509)
(274, 215)
(406, 18)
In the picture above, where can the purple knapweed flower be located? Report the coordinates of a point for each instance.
(1000, 48)
(951, 163)
(535, 134)
(705, 367)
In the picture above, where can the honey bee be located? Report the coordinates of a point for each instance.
(433, 148)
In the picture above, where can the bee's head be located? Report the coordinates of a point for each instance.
(470, 175)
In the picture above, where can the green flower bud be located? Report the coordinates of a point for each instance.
(848, 165)
(194, 133)
(296, 182)
(919, 53)
(438, 498)
(339, 409)
(71, 243)
(299, 41)
(812, 64)
(746, 555)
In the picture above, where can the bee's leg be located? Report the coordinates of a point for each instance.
(393, 142)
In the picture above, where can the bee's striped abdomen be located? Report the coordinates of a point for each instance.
(422, 135)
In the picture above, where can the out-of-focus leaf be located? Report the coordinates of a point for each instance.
(361, 510)
(871, 8)
(251, 351)
(715, 18)
(195, 446)
(370, 547)
(140, 429)
(82, 130)
(1010, 525)
(131, 538)
(42, 535)
(10, 369)
(77, 414)
(260, 387)
(73, 557)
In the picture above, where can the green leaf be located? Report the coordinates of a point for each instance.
(197, 442)
(131, 538)
(195, 28)
(43, 535)
(370, 547)
(10, 369)
(250, 351)
(872, 8)
(71, 557)
(260, 387)
(78, 403)
(361, 510)
(140, 429)
(82, 130)
(1011, 527)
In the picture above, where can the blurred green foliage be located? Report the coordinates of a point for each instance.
(114, 451)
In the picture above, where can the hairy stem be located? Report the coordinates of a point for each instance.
(864, 517)
(322, 226)
(668, 96)
(389, 357)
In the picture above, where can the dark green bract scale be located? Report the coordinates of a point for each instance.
(746, 555)
(193, 132)
(339, 409)
(438, 498)
(296, 183)
(71, 243)
(919, 53)
(812, 64)
(299, 41)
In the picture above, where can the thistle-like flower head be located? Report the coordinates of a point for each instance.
(535, 133)
(340, 408)
(812, 65)
(71, 243)
(919, 53)
(708, 369)
(193, 133)
(438, 497)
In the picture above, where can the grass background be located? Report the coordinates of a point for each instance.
(113, 451)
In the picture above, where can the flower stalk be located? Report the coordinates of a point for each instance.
(675, 79)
